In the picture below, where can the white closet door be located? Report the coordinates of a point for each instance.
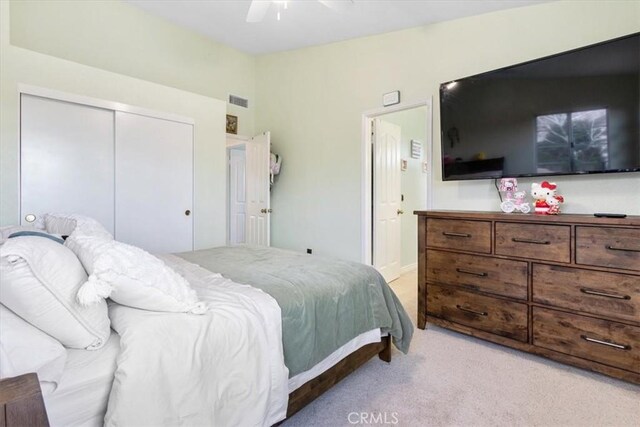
(154, 183)
(66, 159)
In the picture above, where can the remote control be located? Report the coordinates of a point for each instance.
(609, 215)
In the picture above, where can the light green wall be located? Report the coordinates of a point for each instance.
(312, 101)
(413, 125)
(118, 37)
(22, 66)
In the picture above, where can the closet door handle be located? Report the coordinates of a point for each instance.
(472, 273)
(606, 343)
(613, 248)
(451, 234)
(263, 210)
(187, 212)
(468, 310)
(603, 294)
(535, 242)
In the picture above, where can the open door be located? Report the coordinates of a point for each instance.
(258, 210)
(386, 199)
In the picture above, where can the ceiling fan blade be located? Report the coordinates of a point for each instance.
(339, 6)
(257, 10)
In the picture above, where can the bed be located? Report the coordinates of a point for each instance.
(291, 326)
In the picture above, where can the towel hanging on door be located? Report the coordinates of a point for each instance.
(275, 164)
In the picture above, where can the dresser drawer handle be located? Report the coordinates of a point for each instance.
(613, 248)
(451, 234)
(473, 273)
(603, 294)
(479, 313)
(535, 242)
(607, 343)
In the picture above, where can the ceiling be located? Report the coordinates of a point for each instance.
(308, 22)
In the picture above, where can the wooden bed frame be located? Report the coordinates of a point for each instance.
(312, 389)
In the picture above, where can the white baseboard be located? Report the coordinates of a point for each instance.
(408, 268)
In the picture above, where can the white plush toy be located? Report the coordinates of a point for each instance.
(546, 200)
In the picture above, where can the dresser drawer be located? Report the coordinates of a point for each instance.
(611, 343)
(608, 247)
(607, 294)
(500, 317)
(474, 236)
(486, 274)
(546, 242)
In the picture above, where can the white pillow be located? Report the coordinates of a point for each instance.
(24, 349)
(68, 224)
(134, 277)
(39, 282)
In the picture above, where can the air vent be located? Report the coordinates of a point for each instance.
(236, 100)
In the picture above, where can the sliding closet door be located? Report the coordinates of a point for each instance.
(154, 183)
(66, 159)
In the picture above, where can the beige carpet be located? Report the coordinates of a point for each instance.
(448, 379)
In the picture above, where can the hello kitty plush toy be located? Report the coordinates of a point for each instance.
(546, 200)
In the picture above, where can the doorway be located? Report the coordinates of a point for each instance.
(397, 170)
(237, 194)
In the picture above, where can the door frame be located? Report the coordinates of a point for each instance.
(73, 98)
(367, 170)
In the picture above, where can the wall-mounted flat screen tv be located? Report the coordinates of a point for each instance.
(577, 112)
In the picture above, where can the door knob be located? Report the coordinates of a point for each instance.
(269, 210)
(400, 211)
(187, 212)
(263, 210)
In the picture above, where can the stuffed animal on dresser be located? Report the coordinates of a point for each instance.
(547, 202)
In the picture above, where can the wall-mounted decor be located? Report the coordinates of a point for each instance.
(391, 98)
(416, 149)
(232, 124)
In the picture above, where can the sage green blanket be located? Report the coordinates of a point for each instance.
(325, 302)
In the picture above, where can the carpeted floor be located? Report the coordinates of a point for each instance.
(448, 379)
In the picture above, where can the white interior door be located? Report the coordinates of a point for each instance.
(154, 183)
(237, 196)
(386, 199)
(66, 159)
(258, 150)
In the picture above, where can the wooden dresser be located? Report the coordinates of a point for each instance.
(566, 287)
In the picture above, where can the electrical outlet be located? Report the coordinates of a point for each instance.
(309, 251)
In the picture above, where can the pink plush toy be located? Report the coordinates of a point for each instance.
(547, 202)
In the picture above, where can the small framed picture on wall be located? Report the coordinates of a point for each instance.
(232, 124)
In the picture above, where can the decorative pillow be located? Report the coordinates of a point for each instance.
(24, 349)
(53, 237)
(68, 224)
(5, 232)
(130, 276)
(39, 282)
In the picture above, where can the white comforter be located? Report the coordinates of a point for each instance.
(223, 368)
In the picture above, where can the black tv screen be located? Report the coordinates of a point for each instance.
(573, 113)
